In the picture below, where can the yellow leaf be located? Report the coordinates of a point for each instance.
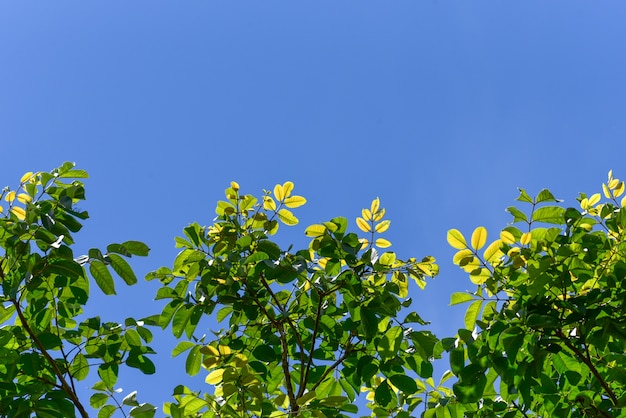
(279, 192)
(10, 197)
(623, 202)
(287, 188)
(24, 198)
(363, 225)
(606, 191)
(294, 201)
(367, 214)
(322, 262)
(382, 243)
(19, 212)
(594, 199)
(224, 350)
(613, 183)
(526, 237)
(287, 217)
(209, 350)
(619, 190)
(456, 239)
(383, 226)
(479, 237)
(1, 209)
(462, 255)
(610, 175)
(379, 215)
(364, 242)
(269, 203)
(215, 377)
(234, 185)
(507, 237)
(375, 205)
(471, 265)
(492, 252)
(387, 258)
(26, 177)
(315, 230)
(584, 204)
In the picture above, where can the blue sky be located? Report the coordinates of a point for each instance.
(440, 108)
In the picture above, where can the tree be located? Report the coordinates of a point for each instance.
(305, 331)
(546, 327)
(44, 290)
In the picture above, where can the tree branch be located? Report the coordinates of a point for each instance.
(64, 385)
(589, 364)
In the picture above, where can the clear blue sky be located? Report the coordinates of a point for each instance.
(440, 108)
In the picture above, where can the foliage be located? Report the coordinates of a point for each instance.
(48, 348)
(304, 331)
(546, 327)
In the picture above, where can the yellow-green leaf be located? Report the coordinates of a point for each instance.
(279, 192)
(383, 226)
(493, 252)
(605, 190)
(479, 237)
(287, 217)
(315, 230)
(462, 255)
(215, 377)
(526, 237)
(387, 259)
(269, 203)
(24, 198)
(619, 190)
(234, 185)
(294, 201)
(594, 199)
(472, 314)
(382, 243)
(287, 188)
(10, 197)
(306, 398)
(456, 239)
(19, 212)
(379, 215)
(479, 275)
(363, 225)
(507, 237)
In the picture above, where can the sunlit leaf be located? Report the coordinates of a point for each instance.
(461, 255)
(492, 252)
(102, 276)
(214, 377)
(122, 268)
(382, 243)
(456, 239)
(472, 313)
(507, 237)
(279, 192)
(363, 225)
(479, 237)
(375, 205)
(460, 297)
(383, 226)
(287, 217)
(294, 201)
(269, 203)
(526, 238)
(316, 230)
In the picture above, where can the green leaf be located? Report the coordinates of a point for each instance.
(382, 395)
(122, 268)
(136, 248)
(546, 196)
(287, 217)
(97, 400)
(79, 369)
(524, 197)
(103, 277)
(264, 353)
(108, 373)
(306, 398)
(181, 347)
(390, 343)
(518, 215)
(107, 411)
(404, 383)
(460, 297)
(194, 361)
(472, 314)
(549, 214)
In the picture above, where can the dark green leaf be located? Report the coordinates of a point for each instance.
(382, 395)
(103, 277)
(404, 383)
(136, 248)
(122, 268)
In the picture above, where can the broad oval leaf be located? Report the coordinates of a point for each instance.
(383, 226)
(287, 217)
(294, 201)
(456, 239)
(315, 230)
(479, 237)
(382, 243)
(363, 225)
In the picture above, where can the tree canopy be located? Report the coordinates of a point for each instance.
(302, 332)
